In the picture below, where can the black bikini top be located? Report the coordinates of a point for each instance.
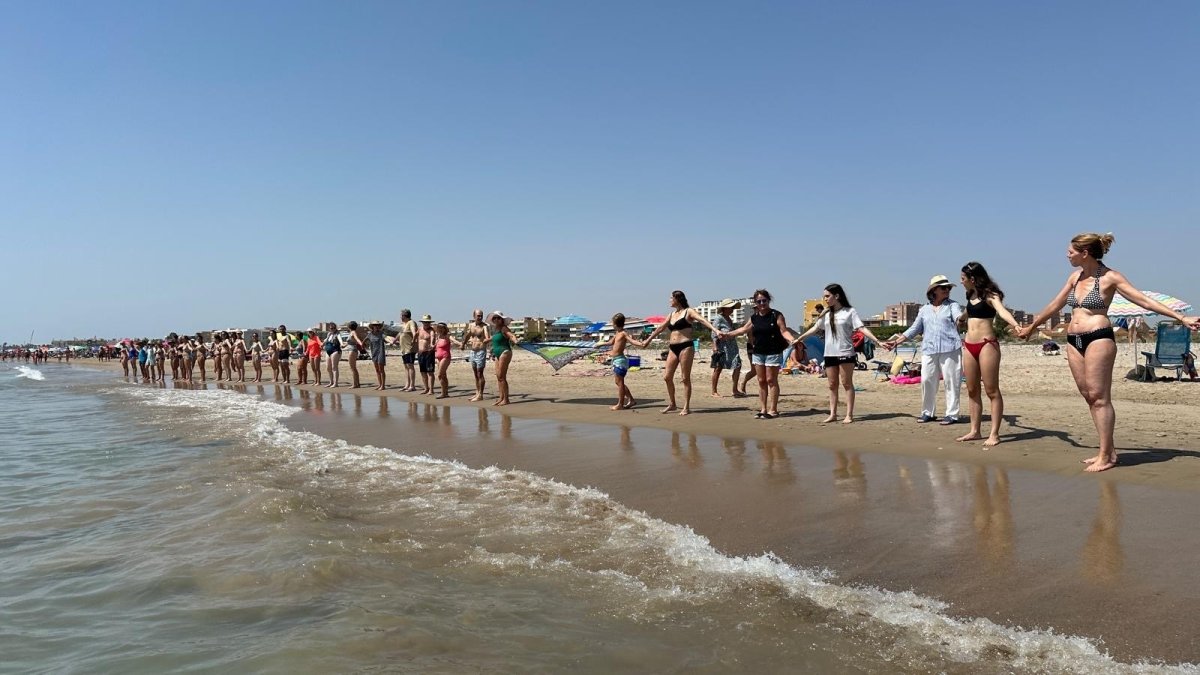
(980, 310)
(681, 324)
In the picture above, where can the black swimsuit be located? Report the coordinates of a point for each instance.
(678, 348)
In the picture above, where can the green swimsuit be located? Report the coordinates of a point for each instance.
(500, 344)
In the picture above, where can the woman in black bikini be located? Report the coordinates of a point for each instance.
(1093, 347)
(985, 301)
(681, 348)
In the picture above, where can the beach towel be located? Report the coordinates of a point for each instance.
(559, 354)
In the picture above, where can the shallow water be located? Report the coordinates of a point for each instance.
(149, 528)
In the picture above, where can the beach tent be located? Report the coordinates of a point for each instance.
(571, 320)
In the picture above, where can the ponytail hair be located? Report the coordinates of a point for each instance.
(843, 302)
(1095, 244)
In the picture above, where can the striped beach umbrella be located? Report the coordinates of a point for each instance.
(1122, 307)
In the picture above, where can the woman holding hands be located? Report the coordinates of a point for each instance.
(1093, 346)
(839, 321)
(767, 328)
(985, 301)
(681, 348)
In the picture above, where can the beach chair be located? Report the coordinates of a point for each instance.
(1170, 350)
(909, 359)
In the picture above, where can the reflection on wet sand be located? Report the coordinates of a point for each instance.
(626, 439)
(992, 513)
(383, 407)
(849, 475)
(735, 449)
(1103, 559)
(776, 465)
(692, 457)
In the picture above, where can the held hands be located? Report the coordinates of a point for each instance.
(1192, 322)
(1024, 332)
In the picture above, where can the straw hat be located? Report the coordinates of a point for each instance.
(375, 322)
(939, 280)
(499, 314)
(426, 319)
(729, 303)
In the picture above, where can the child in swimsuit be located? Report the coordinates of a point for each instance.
(620, 362)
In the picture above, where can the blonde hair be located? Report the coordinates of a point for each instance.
(1094, 243)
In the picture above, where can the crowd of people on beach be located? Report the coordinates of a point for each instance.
(956, 340)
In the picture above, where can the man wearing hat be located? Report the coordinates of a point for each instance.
(941, 349)
(425, 360)
(725, 352)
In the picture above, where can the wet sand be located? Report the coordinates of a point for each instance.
(1096, 558)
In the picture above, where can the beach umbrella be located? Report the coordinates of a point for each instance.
(1122, 308)
(571, 320)
(656, 319)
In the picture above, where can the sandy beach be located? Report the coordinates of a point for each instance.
(1047, 426)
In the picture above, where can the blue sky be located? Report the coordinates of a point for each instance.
(186, 165)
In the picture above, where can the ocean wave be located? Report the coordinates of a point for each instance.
(29, 373)
(633, 554)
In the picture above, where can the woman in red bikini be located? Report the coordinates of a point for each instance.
(1093, 347)
(985, 301)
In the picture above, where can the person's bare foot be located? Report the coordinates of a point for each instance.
(616, 407)
(1101, 465)
(991, 442)
(443, 396)
(502, 401)
(716, 394)
(827, 420)
(1091, 460)
(848, 420)
(740, 394)
(476, 397)
(629, 404)
(685, 411)
(669, 409)
(969, 436)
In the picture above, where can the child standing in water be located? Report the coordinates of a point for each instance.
(441, 352)
(620, 362)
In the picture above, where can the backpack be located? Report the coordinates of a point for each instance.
(861, 345)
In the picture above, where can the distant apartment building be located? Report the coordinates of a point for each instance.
(812, 309)
(901, 314)
(529, 327)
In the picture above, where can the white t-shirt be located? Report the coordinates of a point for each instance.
(846, 320)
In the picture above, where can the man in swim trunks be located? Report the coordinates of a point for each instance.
(425, 355)
(475, 338)
(283, 352)
(408, 348)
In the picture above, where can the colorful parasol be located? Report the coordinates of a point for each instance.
(1121, 306)
(559, 354)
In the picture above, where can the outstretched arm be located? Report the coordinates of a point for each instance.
(1049, 310)
(1003, 312)
(1140, 299)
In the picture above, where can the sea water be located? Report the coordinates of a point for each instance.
(148, 529)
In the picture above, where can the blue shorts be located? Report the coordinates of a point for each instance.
(620, 365)
(408, 359)
(769, 360)
(478, 359)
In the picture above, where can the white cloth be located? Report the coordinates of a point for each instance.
(846, 321)
(949, 366)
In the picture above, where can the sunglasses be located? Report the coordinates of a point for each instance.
(761, 301)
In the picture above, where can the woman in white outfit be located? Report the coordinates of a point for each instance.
(941, 349)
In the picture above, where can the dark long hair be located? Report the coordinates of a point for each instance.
(984, 286)
(680, 299)
(843, 302)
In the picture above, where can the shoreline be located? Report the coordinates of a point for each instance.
(1048, 432)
